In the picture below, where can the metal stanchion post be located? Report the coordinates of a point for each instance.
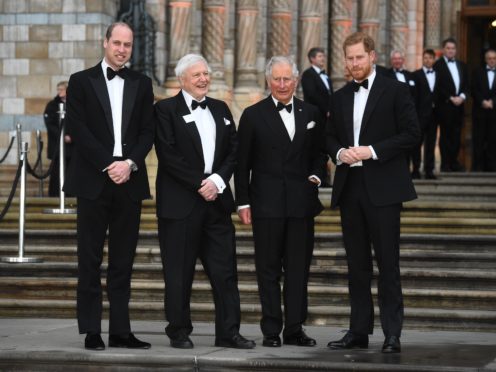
(22, 215)
(19, 139)
(38, 146)
(62, 209)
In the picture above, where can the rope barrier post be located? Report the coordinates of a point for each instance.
(62, 209)
(38, 145)
(19, 139)
(22, 215)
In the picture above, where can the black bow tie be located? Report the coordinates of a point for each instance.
(357, 85)
(491, 69)
(451, 60)
(281, 106)
(112, 74)
(430, 71)
(322, 72)
(195, 104)
(398, 70)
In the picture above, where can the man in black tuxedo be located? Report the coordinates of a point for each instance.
(316, 84)
(398, 72)
(425, 78)
(484, 115)
(279, 169)
(110, 118)
(373, 124)
(196, 148)
(449, 97)
(317, 90)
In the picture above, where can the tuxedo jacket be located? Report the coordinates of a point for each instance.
(425, 97)
(180, 156)
(410, 81)
(390, 125)
(445, 86)
(272, 171)
(315, 92)
(480, 88)
(89, 121)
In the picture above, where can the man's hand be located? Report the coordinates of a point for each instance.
(245, 215)
(487, 104)
(208, 190)
(362, 152)
(67, 139)
(348, 156)
(457, 101)
(119, 172)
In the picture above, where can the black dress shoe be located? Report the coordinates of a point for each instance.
(93, 341)
(430, 176)
(350, 341)
(271, 341)
(181, 341)
(391, 345)
(129, 342)
(236, 342)
(299, 339)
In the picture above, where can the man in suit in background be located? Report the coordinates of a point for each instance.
(425, 78)
(398, 72)
(317, 90)
(450, 94)
(110, 118)
(196, 148)
(279, 169)
(373, 124)
(52, 122)
(484, 115)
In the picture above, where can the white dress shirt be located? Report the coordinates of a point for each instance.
(205, 123)
(115, 88)
(400, 76)
(287, 118)
(490, 76)
(323, 77)
(431, 77)
(455, 74)
(359, 103)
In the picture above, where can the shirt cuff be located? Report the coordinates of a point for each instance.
(243, 207)
(219, 182)
(338, 161)
(317, 178)
(374, 155)
(462, 96)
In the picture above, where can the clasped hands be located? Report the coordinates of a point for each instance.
(353, 155)
(119, 172)
(208, 190)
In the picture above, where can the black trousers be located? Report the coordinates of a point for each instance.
(207, 233)
(450, 119)
(428, 131)
(283, 246)
(484, 139)
(115, 211)
(366, 226)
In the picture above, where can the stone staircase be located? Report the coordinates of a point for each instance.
(448, 263)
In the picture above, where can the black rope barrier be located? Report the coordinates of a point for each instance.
(8, 150)
(12, 191)
(42, 176)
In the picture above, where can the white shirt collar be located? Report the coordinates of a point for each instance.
(317, 69)
(276, 101)
(189, 98)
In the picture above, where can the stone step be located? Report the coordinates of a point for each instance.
(412, 277)
(330, 295)
(415, 318)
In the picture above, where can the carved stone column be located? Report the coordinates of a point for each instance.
(246, 90)
(369, 18)
(310, 30)
(213, 42)
(399, 25)
(180, 25)
(340, 27)
(433, 24)
(280, 33)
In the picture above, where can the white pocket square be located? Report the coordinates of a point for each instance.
(227, 122)
(311, 124)
(411, 82)
(188, 118)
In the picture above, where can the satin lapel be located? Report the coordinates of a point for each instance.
(219, 125)
(300, 125)
(130, 91)
(274, 121)
(319, 80)
(191, 128)
(101, 91)
(447, 73)
(348, 103)
(374, 95)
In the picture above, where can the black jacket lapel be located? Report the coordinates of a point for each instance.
(130, 91)
(374, 96)
(300, 125)
(219, 126)
(183, 110)
(274, 121)
(100, 87)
